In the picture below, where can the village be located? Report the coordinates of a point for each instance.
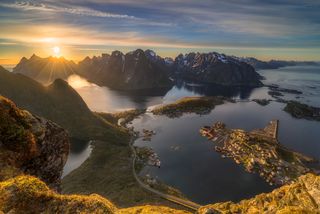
(258, 152)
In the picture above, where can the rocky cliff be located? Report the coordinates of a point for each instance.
(134, 70)
(31, 145)
(45, 70)
(215, 68)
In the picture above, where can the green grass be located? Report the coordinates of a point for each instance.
(108, 172)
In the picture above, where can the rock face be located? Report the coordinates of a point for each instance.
(31, 145)
(45, 70)
(135, 70)
(215, 68)
(303, 196)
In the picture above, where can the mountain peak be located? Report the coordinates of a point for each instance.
(34, 56)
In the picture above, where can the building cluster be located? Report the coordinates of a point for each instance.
(257, 153)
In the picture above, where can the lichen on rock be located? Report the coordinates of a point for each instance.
(31, 145)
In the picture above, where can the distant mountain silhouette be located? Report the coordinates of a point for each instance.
(45, 70)
(140, 69)
(58, 102)
(215, 68)
(135, 70)
(272, 64)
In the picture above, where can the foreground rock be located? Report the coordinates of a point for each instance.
(300, 110)
(198, 105)
(31, 145)
(259, 152)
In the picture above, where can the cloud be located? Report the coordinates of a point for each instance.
(83, 11)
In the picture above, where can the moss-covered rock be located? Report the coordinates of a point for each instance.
(27, 194)
(31, 145)
(302, 196)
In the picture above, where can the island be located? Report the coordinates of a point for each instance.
(262, 102)
(300, 110)
(197, 105)
(259, 152)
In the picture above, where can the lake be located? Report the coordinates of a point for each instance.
(188, 160)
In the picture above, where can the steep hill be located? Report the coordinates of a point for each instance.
(58, 102)
(45, 70)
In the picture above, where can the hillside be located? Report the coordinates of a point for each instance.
(58, 102)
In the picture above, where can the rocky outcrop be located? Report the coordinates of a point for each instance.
(215, 68)
(135, 70)
(31, 145)
(45, 70)
(302, 196)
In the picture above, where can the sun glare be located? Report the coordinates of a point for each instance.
(56, 50)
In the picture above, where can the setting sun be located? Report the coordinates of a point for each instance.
(56, 50)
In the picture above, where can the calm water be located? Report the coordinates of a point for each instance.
(189, 161)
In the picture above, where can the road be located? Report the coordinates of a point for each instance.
(177, 200)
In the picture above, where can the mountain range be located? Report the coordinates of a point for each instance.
(135, 70)
(140, 69)
(46, 70)
(272, 64)
(215, 68)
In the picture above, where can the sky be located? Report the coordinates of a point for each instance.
(265, 29)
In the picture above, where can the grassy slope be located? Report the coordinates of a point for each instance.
(27, 194)
(58, 102)
(108, 172)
